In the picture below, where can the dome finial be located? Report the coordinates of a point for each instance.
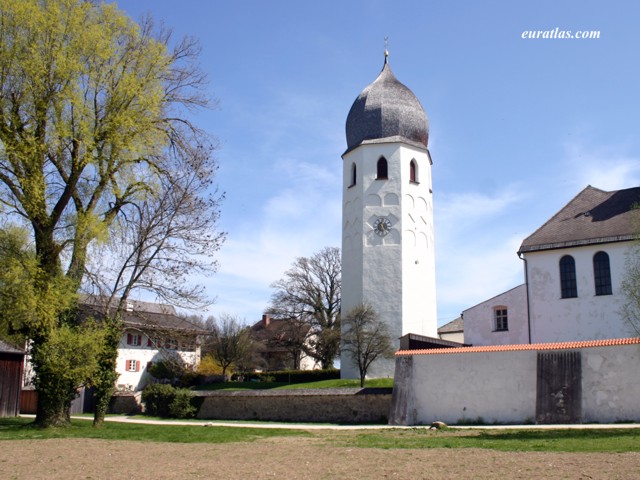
(386, 50)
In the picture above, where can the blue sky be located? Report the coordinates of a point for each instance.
(517, 126)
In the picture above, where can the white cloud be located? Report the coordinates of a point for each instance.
(607, 168)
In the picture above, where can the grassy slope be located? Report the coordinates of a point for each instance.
(337, 383)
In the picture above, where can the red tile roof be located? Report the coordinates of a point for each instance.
(534, 346)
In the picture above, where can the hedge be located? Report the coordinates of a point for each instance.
(294, 376)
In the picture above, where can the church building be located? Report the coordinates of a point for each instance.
(388, 259)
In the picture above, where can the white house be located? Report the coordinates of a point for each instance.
(574, 266)
(152, 333)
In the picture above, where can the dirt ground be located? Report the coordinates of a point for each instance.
(293, 458)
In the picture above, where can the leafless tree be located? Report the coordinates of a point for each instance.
(366, 338)
(158, 246)
(229, 342)
(310, 292)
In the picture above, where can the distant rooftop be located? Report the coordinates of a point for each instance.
(454, 326)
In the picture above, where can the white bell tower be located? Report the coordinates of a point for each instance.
(388, 259)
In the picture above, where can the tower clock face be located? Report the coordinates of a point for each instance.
(382, 226)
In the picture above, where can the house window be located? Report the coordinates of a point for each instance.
(413, 172)
(353, 175)
(134, 340)
(133, 366)
(568, 286)
(501, 319)
(382, 170)
(602, 273)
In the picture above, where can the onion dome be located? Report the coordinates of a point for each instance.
(387, 111)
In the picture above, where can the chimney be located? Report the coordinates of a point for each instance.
(266, 319)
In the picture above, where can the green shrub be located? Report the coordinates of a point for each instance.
(182, 404)
(162, 400)
(157, 398)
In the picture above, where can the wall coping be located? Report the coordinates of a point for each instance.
(614, 342)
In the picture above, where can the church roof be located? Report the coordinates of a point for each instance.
(593, 216)
(387, 111)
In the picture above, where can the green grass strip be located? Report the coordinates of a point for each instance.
(335, 383)
(23, 429)
(560, 440)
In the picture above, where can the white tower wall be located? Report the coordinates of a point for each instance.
(395, 273)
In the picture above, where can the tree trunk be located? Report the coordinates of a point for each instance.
(54, 402)
(51, 412)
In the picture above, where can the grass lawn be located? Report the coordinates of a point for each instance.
(336, 383)
(23, 428)
(561, 440)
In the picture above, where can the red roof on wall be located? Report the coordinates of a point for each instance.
(534, 346)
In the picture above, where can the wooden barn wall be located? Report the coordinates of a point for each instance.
(10, 384)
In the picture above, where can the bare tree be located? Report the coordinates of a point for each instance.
(366, 338)
(229, 343)
(156, 246)
(310, 292)
(631, 289)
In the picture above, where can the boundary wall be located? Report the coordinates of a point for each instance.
(573, 382)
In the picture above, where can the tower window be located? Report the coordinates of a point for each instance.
(568, 286)
(382, 169)
(501, 319)
(413, 172)
(353, 175)
(602, 273)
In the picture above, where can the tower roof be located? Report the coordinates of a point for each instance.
(386, 110)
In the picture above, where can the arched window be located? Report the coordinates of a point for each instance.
(353, 175)
(568, 286)
(382, 169)
(602, 273)
(413, 172)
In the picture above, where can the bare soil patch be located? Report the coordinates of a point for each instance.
(293, 458)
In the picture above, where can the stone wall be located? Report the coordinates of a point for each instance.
(339, 405)
(127, 403)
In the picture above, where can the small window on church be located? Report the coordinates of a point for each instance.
(413, 172)
(353, 175)
(382, 170)
(501, 319)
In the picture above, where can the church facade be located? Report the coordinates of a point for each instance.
(388, 259)
(574, 267)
